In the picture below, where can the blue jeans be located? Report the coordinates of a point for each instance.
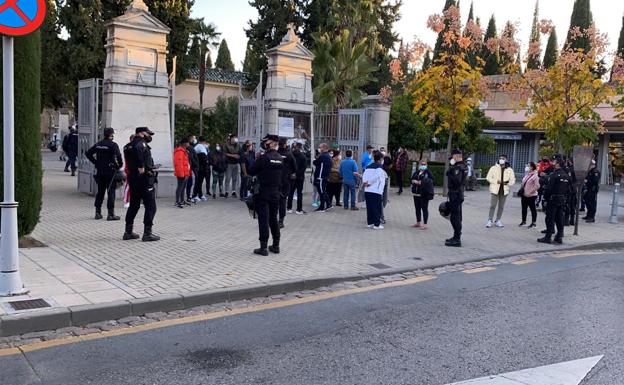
(349, 191)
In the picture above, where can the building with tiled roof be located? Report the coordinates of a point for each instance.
(218, 83)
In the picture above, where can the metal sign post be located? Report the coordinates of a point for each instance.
(30, 16)
(10, 280)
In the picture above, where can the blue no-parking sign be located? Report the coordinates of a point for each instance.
(21, 17)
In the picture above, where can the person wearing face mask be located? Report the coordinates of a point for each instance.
(297, 183)
(232, 152)
(289, 173)
(400, 165)
(500, 177)
(528, 194)
(555, 194)
(142, 180)
(203, 169)
(456, 180)
(181, 170)
(194, 162)
(592, 186)
(322, 167)
(106, 157)
(334, 182)
(423, 192)
(387, 165)
(218, 161)
(248, 158)
(373, 180)
(268, 169)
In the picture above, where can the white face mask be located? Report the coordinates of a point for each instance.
(527, 169)
(218, 148)
(502, 162)
(452, 162)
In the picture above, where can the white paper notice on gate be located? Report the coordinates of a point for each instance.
(286, 127)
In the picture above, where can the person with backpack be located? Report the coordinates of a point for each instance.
(219, 164)
(423, 192)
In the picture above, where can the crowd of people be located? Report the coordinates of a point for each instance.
(227, 170)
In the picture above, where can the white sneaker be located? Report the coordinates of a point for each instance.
(499, 224)
(204, 199)
(489, 224)
(380, 227)
(300, 212)
(370, 226)
(289, 211)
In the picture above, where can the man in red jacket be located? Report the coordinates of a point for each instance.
(181, 170)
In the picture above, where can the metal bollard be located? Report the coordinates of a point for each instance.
(614, 204)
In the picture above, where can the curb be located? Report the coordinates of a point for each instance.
(82, 315)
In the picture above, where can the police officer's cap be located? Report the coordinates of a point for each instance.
(272, 138)
(109, 132)
(144, 129)
(456, 152)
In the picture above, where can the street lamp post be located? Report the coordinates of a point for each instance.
(10, 279)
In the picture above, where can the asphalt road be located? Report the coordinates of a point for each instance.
(457, 327)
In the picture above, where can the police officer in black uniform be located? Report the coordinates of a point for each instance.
(592, 186)
(268, 169)
(556, 193)
(289, 172)
(571, 206)
(456, 176)
(106, 157)
(142, 180)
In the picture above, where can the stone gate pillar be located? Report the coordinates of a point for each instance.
(136, 84)
(378, 121)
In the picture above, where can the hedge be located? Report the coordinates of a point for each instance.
(28, 174)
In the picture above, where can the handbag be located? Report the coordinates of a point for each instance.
(521, 190)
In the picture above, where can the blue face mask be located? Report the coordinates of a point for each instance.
(423, 168)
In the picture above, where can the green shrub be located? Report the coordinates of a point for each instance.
(28, 172)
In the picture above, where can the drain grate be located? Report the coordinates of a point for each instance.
(380, 266)
(29, 304)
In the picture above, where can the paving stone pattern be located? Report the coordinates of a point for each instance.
(209, 245)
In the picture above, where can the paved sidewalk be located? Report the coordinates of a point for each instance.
(209, 246)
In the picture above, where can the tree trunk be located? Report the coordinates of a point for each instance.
(449, 148)
(201, 113)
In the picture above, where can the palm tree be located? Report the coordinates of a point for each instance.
(341, 70)
(205, 35)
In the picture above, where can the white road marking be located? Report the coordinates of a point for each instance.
(564, 373)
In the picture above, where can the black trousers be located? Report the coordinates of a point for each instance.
(71, 162)
(296, 186)
(244, 185)
(334, 189)
(421, 205)
(182, 183)
(267, 211)
(321, 187)
(455, 204)
(555, 211)
(400, 175)
(199, 182)
(591, 201)
(373, 208)
(283, 200)
(140, 191)
(105, 186)
(529, 203)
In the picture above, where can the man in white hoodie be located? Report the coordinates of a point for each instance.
(500, 177)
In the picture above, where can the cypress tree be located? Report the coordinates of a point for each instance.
(534, 61)
(208, 60)
(505, 59)
(583, 19)
(224, 60)
(472, 53)
(491, 59)
(438, 49)
(28, 174)
(426, 61)
(550, 57)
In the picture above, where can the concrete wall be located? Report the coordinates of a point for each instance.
(187, 93)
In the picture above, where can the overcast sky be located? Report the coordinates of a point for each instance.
(231, 17)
